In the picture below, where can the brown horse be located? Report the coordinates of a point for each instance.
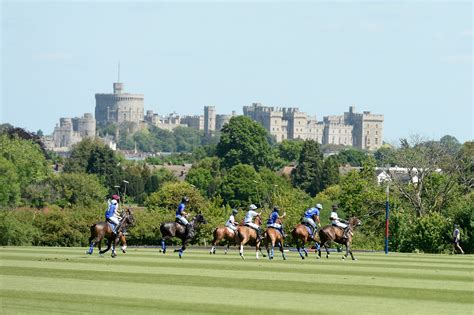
(224, 233)
(331, 233)
(301, 235)
(248, 235)
(102, 230)
(175, 229)
(273, 236)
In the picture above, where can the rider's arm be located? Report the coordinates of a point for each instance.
(317, 220)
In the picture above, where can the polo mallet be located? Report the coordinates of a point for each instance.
(118, 189)
(258, 194)
(125, 189)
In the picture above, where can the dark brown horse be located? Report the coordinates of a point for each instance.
(223, 233)
(301, 235)
(331, 233)
(102, 230)
(248, 235)
(175, 229)
(273, 236)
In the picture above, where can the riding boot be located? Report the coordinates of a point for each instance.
(282, 232)
(346, 233)
(259, 234)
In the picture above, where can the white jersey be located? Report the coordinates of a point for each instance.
(334, 218)
(231, 220)
(249, 216)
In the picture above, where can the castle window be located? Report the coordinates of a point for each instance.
(376, 141)
(376, 132)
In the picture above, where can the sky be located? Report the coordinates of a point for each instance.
(411, 61)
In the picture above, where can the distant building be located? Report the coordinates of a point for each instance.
(119, 107)
(71, 131)
(360, 130)
(167, 122)
(193, 121)
(221, 120)
(209, 119)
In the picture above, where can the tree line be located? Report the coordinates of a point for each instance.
(44, 206)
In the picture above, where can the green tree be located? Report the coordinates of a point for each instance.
(243, 141)
(206, 176)
(450, 144)
(353, 157)
(94, 157)
(27, 158)
(241, 185)
(158, 178)
(9, 184)
(330, 175)
(307, 175)
(290, 150)
(77, 189)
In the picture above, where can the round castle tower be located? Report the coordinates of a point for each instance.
(119, 107)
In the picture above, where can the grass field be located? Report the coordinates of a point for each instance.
(64, 280)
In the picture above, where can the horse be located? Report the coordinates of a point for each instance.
(248, 235)
(175, 229)
(273, 236)
(102, 230)
(331, 233)
(223, 233)
(301, 234)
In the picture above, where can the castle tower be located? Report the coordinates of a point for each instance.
(119, 107)
(86, 126)
(209, 119)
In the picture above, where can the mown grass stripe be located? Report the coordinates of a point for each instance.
(350, 268)
(234, 297)
(244, 283)
(217, 283)
(303, 278)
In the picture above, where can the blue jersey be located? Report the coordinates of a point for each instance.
(110, 211)
(180, 210)
(273, 217)
(311, 212)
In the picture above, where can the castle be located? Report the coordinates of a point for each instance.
(71, 131)
(118, 107)
(360, 130)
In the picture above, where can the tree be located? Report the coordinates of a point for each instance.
(290, 150)
(426, 162)
(241, 185)
(94, 157)
(450, 144)
(158, 178)
(9, 184)
(243, 141)
(352, 157)
(330, 175)
(307, 175)
(77, 189)
(27, 158)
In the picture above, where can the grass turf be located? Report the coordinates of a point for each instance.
(64, 280)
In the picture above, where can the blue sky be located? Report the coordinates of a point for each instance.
(411, 61)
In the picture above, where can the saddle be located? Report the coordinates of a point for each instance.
(179, 222)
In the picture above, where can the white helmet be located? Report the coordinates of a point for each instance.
(253, 207)
(319, 206)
